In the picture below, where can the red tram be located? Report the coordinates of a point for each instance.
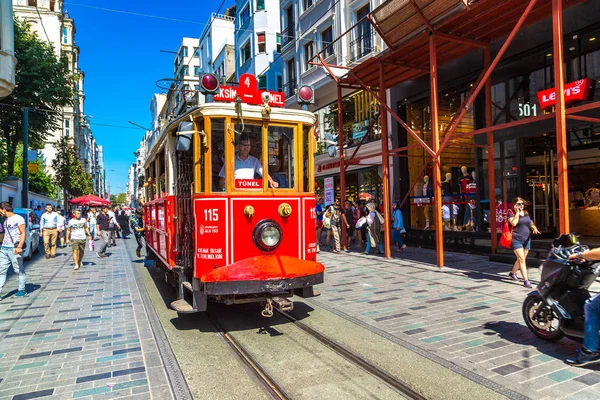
(230, 204)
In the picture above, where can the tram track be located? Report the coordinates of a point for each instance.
(277, 391)
(355, 358)
(272, 388)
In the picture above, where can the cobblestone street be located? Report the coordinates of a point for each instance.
(79, 333)
(466, 316)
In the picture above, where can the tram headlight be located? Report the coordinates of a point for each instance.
(267, 235)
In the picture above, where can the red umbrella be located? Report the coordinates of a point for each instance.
(89, 200)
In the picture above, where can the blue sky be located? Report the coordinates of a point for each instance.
(121, 59)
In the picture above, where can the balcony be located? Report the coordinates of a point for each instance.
(289, 88)
(288, 35)
(362, 45)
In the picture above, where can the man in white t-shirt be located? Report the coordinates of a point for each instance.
(11, 253)
(246, 166)
(77, 233)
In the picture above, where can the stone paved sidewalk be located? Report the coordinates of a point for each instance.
(467, 315)
(79, 334)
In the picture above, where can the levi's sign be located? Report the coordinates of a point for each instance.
(574, 91)
(249, 93)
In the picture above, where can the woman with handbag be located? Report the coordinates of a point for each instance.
(522, 226)
(374, 223)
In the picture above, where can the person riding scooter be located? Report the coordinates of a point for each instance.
(589, 354)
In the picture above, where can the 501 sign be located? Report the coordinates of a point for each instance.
(527, 110)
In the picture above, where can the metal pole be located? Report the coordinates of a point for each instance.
(25, 191)
(561, 121)
(552, 188)
(489, 121)
(385, 167)
(342, 169)
(435, 133)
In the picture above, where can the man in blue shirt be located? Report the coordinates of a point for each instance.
(49, 229)
(319, 211)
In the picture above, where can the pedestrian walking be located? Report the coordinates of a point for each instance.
(398, 226)
(327, 224)
(77, 233)
(522, 226)
(91, 218)
(336, 221)
(374, 222)
(123, 221)
(320, 212)
(137, 223)
(348, 221)
(358, 214)
(103, 221)
(49, 229)
(60, 225)
(113, 227)
(38, 213)
(11, 252)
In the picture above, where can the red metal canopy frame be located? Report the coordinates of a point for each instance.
(450, 29)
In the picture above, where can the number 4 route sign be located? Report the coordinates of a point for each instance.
(249, 93)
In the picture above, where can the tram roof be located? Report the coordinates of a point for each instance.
(461, 28)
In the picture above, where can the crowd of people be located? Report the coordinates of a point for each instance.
(79, 228)
(363, 221)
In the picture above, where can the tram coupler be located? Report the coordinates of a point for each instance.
(283, 304)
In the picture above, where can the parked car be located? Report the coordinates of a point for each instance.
(32, 230)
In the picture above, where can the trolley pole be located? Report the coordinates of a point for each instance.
(25, 191)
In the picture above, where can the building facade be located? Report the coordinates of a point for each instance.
(52, 24)
(258, 42)
(320, 28)
(8, 61)
(217, 46)
(186, 70)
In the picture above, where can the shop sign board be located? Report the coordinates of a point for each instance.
(574, 91)
(329, 190)
(249, 93)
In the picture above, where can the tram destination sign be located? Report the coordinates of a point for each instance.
(574, 91)
(249, 93)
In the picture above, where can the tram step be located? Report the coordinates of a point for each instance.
(282, 303)
(188, 286)
(183, 307)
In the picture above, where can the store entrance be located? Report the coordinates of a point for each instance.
(540, 180)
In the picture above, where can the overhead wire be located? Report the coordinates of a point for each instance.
(42, 22)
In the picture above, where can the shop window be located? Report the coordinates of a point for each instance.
(281, 156)
(262, 46)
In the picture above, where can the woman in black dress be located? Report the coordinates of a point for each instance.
(522, 226)
(123, 221)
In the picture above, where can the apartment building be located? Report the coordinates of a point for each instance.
(258, 42)
(52, 24)
(217, 46)
(186, 69)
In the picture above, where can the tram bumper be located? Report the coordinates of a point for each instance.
(263, 274)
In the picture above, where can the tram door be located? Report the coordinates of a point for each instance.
(185, 213)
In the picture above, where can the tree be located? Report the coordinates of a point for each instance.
(119, 199)
(69, 173)
(43, 83)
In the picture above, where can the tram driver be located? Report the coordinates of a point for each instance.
(246, 165)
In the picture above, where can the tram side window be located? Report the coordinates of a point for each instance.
(281, 157)
(217, 155)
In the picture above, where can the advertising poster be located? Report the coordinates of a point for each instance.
(329, 191)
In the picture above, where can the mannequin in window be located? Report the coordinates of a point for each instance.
(428, 194)
(447, 193)
(469, 217)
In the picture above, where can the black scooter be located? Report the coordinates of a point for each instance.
(556, 309)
